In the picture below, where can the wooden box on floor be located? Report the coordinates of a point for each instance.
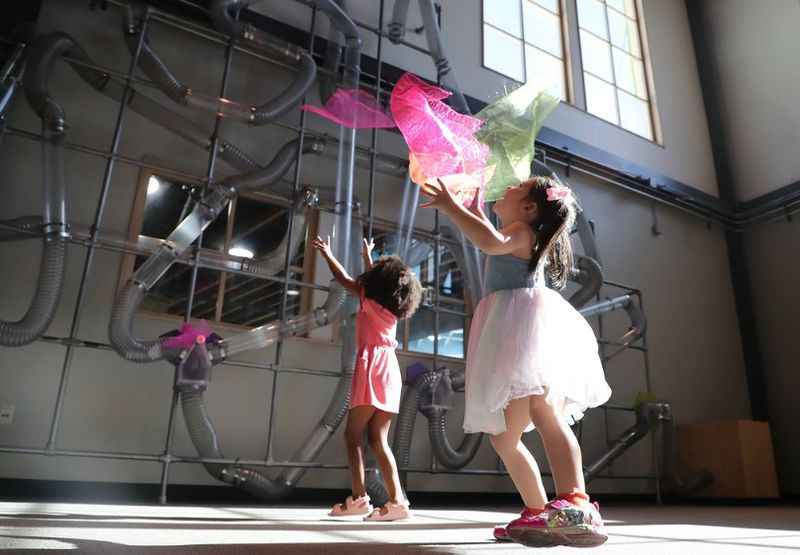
(738, 453)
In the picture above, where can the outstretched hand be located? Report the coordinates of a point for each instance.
(323, 246)
(367, 246)
(440, 197)
(476, 206)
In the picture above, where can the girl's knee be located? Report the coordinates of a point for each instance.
(502, 443)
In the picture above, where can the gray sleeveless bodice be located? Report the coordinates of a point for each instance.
(506, 271)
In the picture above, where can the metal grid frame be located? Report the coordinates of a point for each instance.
(93, 239)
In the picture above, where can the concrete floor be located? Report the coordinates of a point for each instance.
(674, 530)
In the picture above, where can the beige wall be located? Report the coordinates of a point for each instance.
(755, 46)
(774, 275)
(114, 405)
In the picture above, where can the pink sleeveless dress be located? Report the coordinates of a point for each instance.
(377, 380)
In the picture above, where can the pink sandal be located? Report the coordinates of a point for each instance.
(394, 511)
(352, 507)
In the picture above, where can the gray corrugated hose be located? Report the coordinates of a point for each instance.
(431, 394)
(589, 275)
(329, 80)
(204, 436)
(54, 223)
(143, 105)
(171, 86)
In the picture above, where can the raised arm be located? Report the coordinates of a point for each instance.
(366, 253)
(339, 273)
(476, 226)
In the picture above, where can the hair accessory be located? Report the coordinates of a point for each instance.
(558, 193)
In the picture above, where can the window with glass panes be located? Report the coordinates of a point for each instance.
(523, 40)
(613, 64)
(251, 227)
(422, 331)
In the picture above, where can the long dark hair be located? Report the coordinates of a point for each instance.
(552, 227)
(392, 284)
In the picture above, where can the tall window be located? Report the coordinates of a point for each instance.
(613, 64)
(523, 40)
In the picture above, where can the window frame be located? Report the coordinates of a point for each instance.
(405, 324)
(652, 105)
(566, 51)
(307, 270)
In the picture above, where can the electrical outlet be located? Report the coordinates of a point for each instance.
(7, 414)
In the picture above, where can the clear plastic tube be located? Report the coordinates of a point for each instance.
(222, 107)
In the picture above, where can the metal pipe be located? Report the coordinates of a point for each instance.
(53, 221)
(374, 143)
(212, 158)
(288, 256)
(162, 498)
(98, 217)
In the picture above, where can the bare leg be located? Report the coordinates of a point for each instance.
(560, 445)
(518, 459)
(357, 421)
(379, 441)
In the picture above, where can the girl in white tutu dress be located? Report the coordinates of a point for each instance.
(532, 359)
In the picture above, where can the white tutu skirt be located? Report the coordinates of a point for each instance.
(530, 342)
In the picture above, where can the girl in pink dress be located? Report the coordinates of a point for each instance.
(388, 291)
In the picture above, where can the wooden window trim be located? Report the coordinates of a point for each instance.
(566, 59)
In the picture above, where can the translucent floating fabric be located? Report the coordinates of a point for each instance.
(510, 129)
(463, 186)
(353, 108)
(441, 141)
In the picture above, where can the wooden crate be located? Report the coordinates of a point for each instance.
(738, 453)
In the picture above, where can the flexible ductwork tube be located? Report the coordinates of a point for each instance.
(430, 394)
(54, 224)
(223, 12)
(590, 277)
(434, 404)
(329, 80)
(144, 106)
(201, 430)
(447, 76)
(204, 436)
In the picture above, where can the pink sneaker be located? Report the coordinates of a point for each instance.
(527, 518)
(561, 523)
(501, 534)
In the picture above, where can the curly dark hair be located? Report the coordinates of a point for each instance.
(552, 228)
(392, 284)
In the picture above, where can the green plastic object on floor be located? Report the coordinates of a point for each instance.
(509, 130)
